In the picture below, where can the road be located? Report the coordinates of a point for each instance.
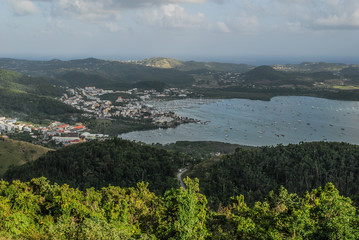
(179, 176)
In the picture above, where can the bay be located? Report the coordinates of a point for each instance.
(282, 120)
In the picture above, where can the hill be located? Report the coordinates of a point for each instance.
(160, 62)
(99, 73)
(18, 82)
(31, 98)
(268, 76)
(16, 153)
(265, 74)
(297, 167)
(210, 79)
(98, 164)
(203, 149)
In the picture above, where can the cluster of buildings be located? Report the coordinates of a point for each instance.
(133, 103)
(58, 132)
(8, 125)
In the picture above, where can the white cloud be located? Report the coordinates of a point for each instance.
(319, 14)
(108, 13)
(223, 27)
(22, 7)
(173, 16)
(246, 16)
(243, 23)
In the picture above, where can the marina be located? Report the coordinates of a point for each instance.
(282, 120)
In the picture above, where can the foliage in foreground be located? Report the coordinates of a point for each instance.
(39, 210)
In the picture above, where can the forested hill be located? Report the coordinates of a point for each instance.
(97, 72)
(31, 98)
(297, 167)
(100, 163)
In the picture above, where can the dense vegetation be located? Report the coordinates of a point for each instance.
(99, 73)
(17, 82)
(202, 149)
(118, 125)
(326, 80)
(297, 167)
(38, 210)
(100, 163)
(33, 107)
(15, 153)
(31, 98)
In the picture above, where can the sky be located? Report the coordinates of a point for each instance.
(242, 31)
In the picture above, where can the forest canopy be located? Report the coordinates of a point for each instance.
(39, 210)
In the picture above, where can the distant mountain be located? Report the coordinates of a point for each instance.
(161, 62)
(99, 73)
(350, 71)
(311, 67)
(159, 73)
(81, 79)
(265, 74)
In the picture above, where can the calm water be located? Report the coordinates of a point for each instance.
(248, 122)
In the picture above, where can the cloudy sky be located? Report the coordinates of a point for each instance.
(226, 30)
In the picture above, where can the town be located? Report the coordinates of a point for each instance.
(60, 133)
(133, 104)
(93, 102)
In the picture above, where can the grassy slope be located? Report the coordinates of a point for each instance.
(17, 153)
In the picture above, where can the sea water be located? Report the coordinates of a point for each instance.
(282, 120)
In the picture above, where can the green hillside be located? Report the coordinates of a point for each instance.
(31, 98)
(18, 82)
(203, 148)
(16, 153)
(96, 72)
(98, 164)
(80, 79)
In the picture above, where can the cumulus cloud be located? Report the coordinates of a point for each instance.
(247, 24)
(247, 16)
(172, 16)
(319, 14)
(108, 13)
(223, 27)
(22, 7)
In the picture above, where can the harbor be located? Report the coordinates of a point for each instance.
(282, 120)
